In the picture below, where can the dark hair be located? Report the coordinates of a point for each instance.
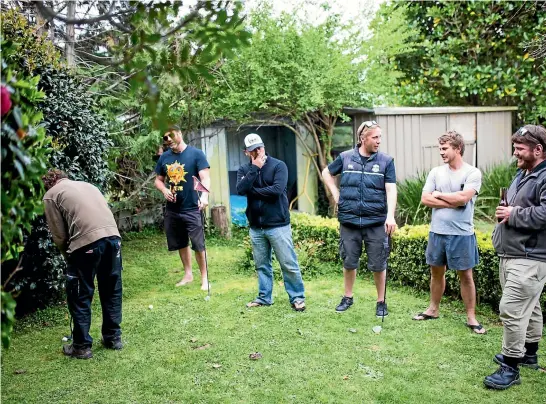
(52, 177)
(531, 135)
(455, 140)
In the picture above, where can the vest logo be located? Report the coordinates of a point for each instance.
(351, 167)
(375, 168)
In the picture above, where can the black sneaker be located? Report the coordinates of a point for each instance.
(84, 353)
(381, 309)
(530, 361)
(113, 344)
(503, 378)
(346, 302)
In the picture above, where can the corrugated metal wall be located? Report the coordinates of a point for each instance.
(412, 138)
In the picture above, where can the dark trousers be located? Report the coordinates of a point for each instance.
(101, 259)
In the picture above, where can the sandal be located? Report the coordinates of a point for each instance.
(476, 327)
(255, 303)
(298, 306)
(424, 317)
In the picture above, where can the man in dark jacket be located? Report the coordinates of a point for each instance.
(366, 203)
(263, 180)
(520, 242)
(85, 231)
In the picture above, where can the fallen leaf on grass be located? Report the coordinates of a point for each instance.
(193, 339)
(353, 330)
(20, 371)
(255, 356)
(346, 377)
(216, 365)
(300, 332)
(200, 348)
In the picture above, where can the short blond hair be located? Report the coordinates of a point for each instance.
(455, 140)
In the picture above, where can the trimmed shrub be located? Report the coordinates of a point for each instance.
(316, 240)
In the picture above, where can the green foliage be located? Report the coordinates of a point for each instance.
(24, 157)
(493, 179)
(317, 242)
(79, 140)
(34, 49)
(472, 53)
(8, 317)
(409, 209)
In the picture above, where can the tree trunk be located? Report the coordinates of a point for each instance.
(220, 221)
(70, 34)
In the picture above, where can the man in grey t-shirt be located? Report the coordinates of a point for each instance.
(451, 191)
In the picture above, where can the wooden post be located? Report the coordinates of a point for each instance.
(219, 220)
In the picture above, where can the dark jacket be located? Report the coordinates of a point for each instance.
(265, 189)
(524, 236)
(362, 196)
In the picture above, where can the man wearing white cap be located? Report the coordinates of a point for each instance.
(263, 180)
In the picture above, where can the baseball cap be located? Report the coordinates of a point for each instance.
(253, 141)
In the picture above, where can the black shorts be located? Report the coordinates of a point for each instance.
(182, 227)
(376, 243)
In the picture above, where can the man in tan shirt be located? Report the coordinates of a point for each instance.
(85, 231)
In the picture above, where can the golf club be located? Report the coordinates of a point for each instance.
(377, 329)
(200, 188)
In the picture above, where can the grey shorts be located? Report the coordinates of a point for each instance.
(182, 227)
(376, 243)
(457, 252)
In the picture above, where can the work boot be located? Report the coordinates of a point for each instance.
(115, 344)
(530, 361)
(346, 302)
(83, 353)
(381, 310)
(503, 378)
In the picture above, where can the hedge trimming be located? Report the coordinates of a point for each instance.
(317, 239)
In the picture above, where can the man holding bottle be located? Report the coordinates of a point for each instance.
(520, 242)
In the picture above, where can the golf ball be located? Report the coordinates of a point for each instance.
(151, 306)
(65, 339)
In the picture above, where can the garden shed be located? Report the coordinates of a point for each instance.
(410, 135)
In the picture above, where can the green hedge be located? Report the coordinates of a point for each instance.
(317, 239)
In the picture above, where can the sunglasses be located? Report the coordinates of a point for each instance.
(367, 124)
(523, 132)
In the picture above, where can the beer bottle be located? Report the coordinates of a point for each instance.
(503, 200)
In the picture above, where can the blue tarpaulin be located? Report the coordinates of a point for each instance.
(238, 208)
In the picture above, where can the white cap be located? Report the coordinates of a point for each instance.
(253, 141)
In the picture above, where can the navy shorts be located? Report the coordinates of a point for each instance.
(375, 240)
(457, 252)
(182, 227)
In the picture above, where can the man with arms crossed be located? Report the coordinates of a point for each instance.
(366, 204)
(451, 191)
(183, 210)
(520, 242)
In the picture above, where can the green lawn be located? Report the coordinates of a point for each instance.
(189, 350)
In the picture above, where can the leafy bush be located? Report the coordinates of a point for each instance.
(493, 179)
(79, 142)
(409, 209)
(318, 238)
(24, 157)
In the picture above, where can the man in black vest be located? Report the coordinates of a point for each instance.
(366, 204)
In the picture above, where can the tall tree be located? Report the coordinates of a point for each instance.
(474, 53)
(300, 75)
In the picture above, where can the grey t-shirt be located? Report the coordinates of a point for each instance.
(454, 221)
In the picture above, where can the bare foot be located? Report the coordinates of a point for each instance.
(185, 280)
(205, 286)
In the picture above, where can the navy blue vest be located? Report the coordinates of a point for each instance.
(363, 198)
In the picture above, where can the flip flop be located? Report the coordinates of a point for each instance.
(425, 317)
(298, 306)
(255, 303)
(476, 327)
